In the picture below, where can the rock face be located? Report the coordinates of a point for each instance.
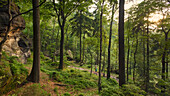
(17, 44)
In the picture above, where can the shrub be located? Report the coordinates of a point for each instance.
(132, 90)
(112, 91)
(12, 74)
(66, 94)
(81, 94)
(33, 90)
(56, 90)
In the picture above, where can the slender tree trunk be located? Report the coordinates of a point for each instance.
(35, 72)
(164, 56)
(103, 67)
(83, 46)
(163, 61)
(101, 17)
(128, 57)
(130, 70)
(110, 41)
(91, 64)
(80, 36)
(144, 57)
(121, 44)
(134, 66)
(147, 57)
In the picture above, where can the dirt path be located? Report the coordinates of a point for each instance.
(114, 77)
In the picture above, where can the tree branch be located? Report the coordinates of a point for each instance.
(74, 8)
(12, 18)
(26, 11)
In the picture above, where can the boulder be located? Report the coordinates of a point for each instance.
(69, 55)
(16, 44)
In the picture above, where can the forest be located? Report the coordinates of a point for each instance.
(84, 47)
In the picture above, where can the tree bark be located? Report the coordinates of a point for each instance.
(83, 46)
(128, 57)
(101, 17)
(147, 57)
(134, 66)
(62, 47)
(91, 64)
(121, 44)
(80, 36)
(35, 72)
(110, 42)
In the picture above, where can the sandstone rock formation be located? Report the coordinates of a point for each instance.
(17, 44)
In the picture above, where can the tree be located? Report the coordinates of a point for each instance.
(35, 72)
(121, 44)
(101, 16)
(110, 35)
(63, 9)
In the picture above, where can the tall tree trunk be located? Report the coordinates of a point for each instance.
(110, 41)
(144, 57)
(80, 36)
(130, 69)
(35, 72)
(163, 60)
(121, 44)
(147, 57)
(91, 64)
(164, 56)
(134, 66)
(83, 46)
(128, 57)
(101, 17)
(62, 47)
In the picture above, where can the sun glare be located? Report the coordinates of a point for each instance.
(155, 17)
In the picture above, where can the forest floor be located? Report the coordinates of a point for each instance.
(105, 75)
(47, 84)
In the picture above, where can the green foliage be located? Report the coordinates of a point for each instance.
(67, 94)
(110, 88)
(133, 90)
(79, 79)
(81, 94)
(32, 90)
(12, 73)
(107, 83)
(56, 90)
(112, 91)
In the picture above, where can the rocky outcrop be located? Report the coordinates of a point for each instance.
(17, 44)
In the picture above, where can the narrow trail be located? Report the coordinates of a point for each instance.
(83, 69)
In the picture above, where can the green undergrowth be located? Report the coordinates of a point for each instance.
(75, 79)
(32, 90)
(12, 73)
